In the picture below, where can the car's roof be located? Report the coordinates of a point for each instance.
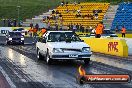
(15, 32)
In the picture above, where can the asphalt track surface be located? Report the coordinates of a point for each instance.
(22, 67)
(3, 82)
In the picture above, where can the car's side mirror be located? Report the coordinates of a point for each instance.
(44, 41)
(40, 39)
(68, 40)
(82, 40)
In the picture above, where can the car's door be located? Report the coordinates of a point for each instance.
(38, 44)
(43, 45)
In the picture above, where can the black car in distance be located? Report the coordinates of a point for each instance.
(14, 37)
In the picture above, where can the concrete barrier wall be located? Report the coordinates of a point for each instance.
(109, 46)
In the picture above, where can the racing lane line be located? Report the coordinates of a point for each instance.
(7, 78)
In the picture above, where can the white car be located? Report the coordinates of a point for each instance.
(62, 45)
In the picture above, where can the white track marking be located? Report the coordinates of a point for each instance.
(7, 78)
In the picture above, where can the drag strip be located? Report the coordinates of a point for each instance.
(123, 63)
(61, 74)
(45, 75)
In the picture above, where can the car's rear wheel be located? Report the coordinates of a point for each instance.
(87, 61)
(48, 59)
(39, 56)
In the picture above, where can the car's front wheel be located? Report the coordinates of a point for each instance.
(23, 43)
(87, 61)
(39, 56)
(8, 43)
(48, 59)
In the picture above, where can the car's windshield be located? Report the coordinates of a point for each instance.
(17, 34)
(20, 29)
(63, 36)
